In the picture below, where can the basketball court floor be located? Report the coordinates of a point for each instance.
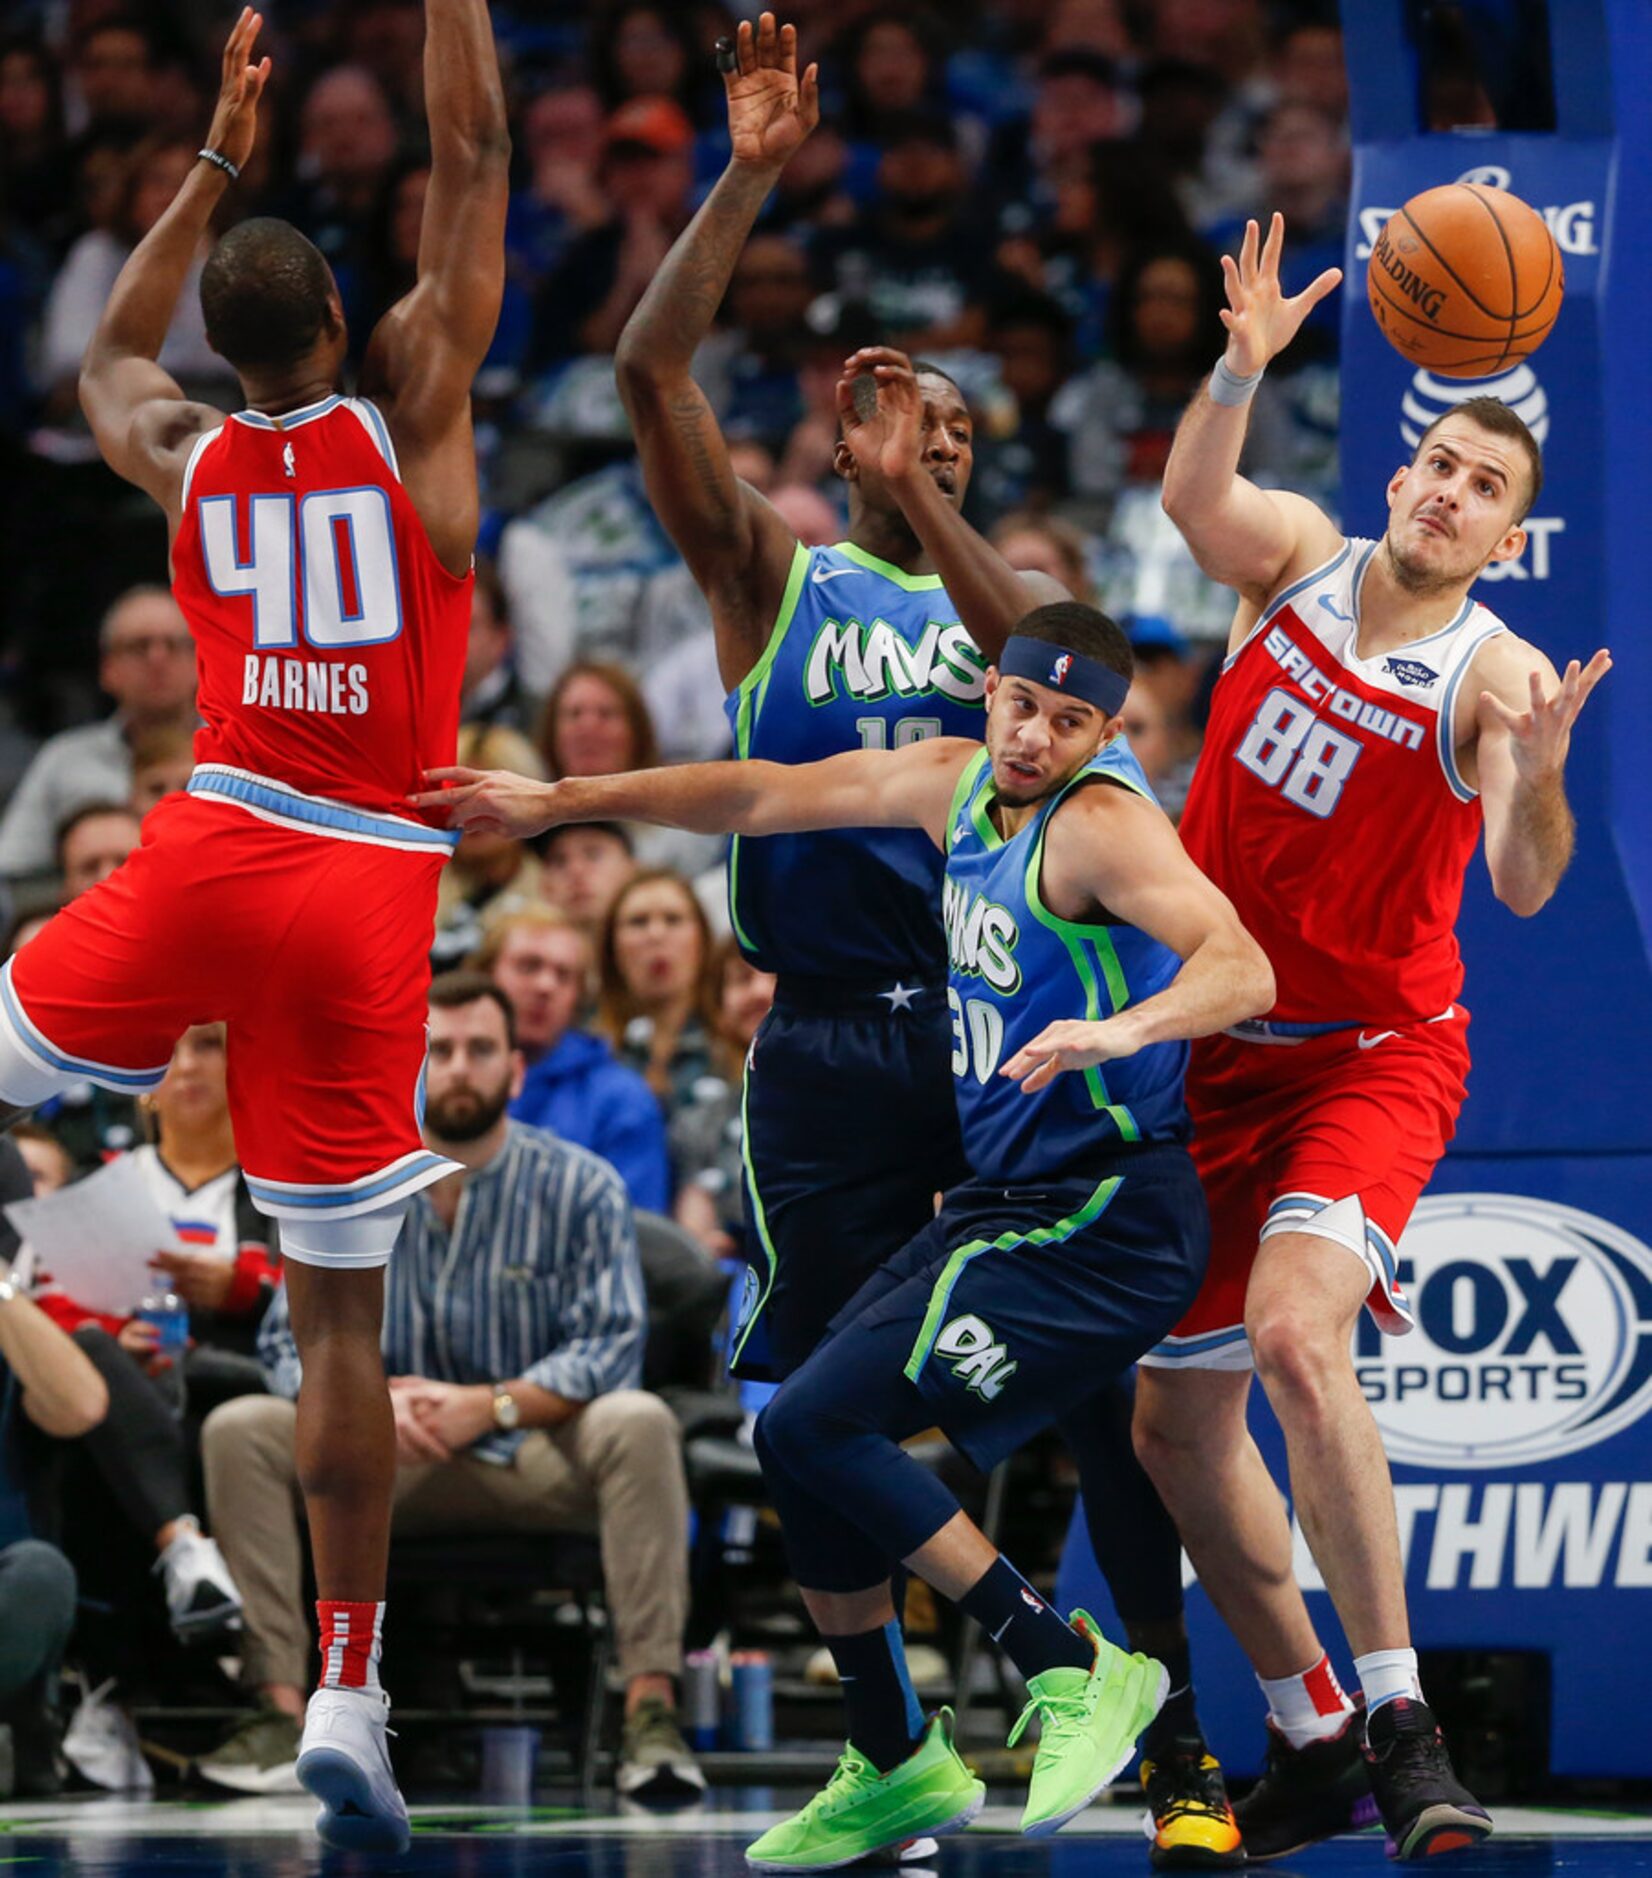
(111, 1838)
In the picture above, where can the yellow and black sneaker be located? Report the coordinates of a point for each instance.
(1189, 1820)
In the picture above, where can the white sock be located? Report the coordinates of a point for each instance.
(1385, 1675)
(1308, 1707)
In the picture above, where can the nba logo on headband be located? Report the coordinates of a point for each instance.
(1060, 669)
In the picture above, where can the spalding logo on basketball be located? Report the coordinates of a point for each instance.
(1428, 398)
(1533, 1337)
(1465, 280)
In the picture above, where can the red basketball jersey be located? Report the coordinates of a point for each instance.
(330, 640)
(1328, 805)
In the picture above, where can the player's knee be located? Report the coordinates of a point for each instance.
(1298, 1355)
(796, 1432)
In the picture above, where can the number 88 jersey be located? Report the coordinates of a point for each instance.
(1329, 807)
(330, 640)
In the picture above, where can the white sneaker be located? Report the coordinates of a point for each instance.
(344, 1762)
(101, 1744)
(201, 1598)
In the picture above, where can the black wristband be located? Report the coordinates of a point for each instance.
(220, 161)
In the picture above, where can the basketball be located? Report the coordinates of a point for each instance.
(1465, 280)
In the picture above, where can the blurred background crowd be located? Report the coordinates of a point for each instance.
(1033, 193)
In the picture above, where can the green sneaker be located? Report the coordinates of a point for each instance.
(860, 1811)
(1088, 1723)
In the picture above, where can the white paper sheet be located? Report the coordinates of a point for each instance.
(96, 1237)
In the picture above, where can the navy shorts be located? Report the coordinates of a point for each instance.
(1021, 1302)
(850, 1132)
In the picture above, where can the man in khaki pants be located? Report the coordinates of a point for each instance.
(513, 1335)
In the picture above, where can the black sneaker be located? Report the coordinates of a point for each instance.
(38, 1768)
(1189, 1820)
(1425, 1807)
(1307, 1794)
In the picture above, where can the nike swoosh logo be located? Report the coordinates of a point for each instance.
(822, 574)
(998, 1633)
(1370, 1043)
(1334, 611)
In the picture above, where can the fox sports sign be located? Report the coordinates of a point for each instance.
(1533, 1337)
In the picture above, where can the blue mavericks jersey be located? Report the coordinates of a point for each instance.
(1015, 968)
(862, 657)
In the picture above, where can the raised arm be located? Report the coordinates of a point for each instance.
(910, 788)
(735, 545)
(899, 437)
(1114, 850)
(425, 352)
(1248, 538)
(143, 423)
(1523, 722)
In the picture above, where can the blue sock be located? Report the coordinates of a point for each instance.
(885, 1720)
(1023, 1626)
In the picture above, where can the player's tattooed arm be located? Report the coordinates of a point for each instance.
(143, 423)
(1251, 539)
(735, 545)
(1113, 854)
(1516, 748)
(920, 448)
(910, 788)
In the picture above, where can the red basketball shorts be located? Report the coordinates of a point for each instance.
(1333, 1135)
(312, 947)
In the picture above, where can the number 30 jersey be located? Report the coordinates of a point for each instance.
(330, 640)
(1329, 807)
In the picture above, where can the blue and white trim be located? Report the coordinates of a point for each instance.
(290, 420)
(372, 1193)
(1273, 1030)
(1281, 599)
(206, 437)
(1445, 740)
(287, 807)
(371, 420)
(39, 1053)
(1345, 1223)
(1212, 1349)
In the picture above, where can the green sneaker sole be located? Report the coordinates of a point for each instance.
(917, 1824)
(1150, 1701)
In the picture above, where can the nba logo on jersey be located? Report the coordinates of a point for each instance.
(1060, 669)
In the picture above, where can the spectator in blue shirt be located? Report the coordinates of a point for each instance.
(514, 1322)
(574, 1086)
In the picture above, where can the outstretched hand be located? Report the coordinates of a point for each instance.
(770, 110)
(235, 121)
(883, 432)
(490, 801)
(1261, 320)
(1070, 1043)
(1540, 737)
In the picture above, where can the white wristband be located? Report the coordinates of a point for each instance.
(1227, 387)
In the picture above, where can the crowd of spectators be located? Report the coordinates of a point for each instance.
(1033, 193)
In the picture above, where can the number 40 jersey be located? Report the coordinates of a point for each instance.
(1329, 807)
(330, 640)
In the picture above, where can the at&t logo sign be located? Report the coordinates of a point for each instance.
(1428, 397)
(1533, 1338)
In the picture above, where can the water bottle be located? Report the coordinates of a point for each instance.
(753, 1701)
(170, 1316)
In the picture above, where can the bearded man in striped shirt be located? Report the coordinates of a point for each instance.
(514, 1323)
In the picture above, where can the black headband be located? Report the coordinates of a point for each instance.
(1044, 664)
